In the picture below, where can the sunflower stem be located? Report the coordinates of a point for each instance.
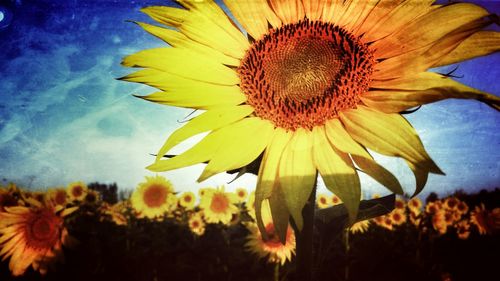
(304, 241)
(277, 272)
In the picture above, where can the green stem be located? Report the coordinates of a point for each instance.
(347, 252)
(304, 241)
(277, 272)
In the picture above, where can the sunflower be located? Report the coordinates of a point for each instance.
(241, 194)
(272, 247)
(308, 87)
(33, 236)
(439, 221)
(433, 207)
(487, 222)
(322, 201)
(360, 226)
(451, 203)
(77, 191)
(187, 200)
(335, 200)
(58, 196)
(218, 205)
(463, 231)
(462, 207)
(398, 216)
(152, 198)
(196, 224)
(415, 205)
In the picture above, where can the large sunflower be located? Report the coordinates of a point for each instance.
(33, 236)
(309, 86)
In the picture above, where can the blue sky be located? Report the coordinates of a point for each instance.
(64, 117)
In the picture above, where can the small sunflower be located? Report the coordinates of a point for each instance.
(433, 207)
(196, 224)
(218, 205)
(77, 191)
(463, 229)
(462, 207)
(439, 221)
(398, 216)
(309, 86)
(400, 204)
(58, 196)
(187, 200)
(487, 222)
(272, 247)
(32, 236)
(322, 200)
(451, 203)
(415, 205)
(241, 194)
(153, 198)
(335, 200)
(360, 226)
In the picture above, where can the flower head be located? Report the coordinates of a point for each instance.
(312, 87)
(187, 200)
(196, 224)
(32, 236)
(58, 196)
(77, 191)
(272, 247)
(360, 226)
(218, 205)
(322, 201)
(487, 222)
(154, 197)
(241, 194)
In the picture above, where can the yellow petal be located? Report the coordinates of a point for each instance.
(421, 175)
(378, 14)
(354, 13)
(179, 40)
(388, 134)
(404, 93)
(337, 171)
(167, 81)
(313, 9)
(481, 43)
(201, 152)
(253, 16)
(250, 137)
(207, 121)
(199, 96)
(428, 29)
(267, 180)
(338, 136)
(280, 213)
(205, 23)
(297, 174)
(421, 59)
(289, 11)
(397, 18)
(183, 63)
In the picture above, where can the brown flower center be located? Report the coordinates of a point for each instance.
(42, 229)
(303, 74)
(155, 196)
(219, 203)
(77, 191)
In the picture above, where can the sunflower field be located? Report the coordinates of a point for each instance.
(91, 232)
